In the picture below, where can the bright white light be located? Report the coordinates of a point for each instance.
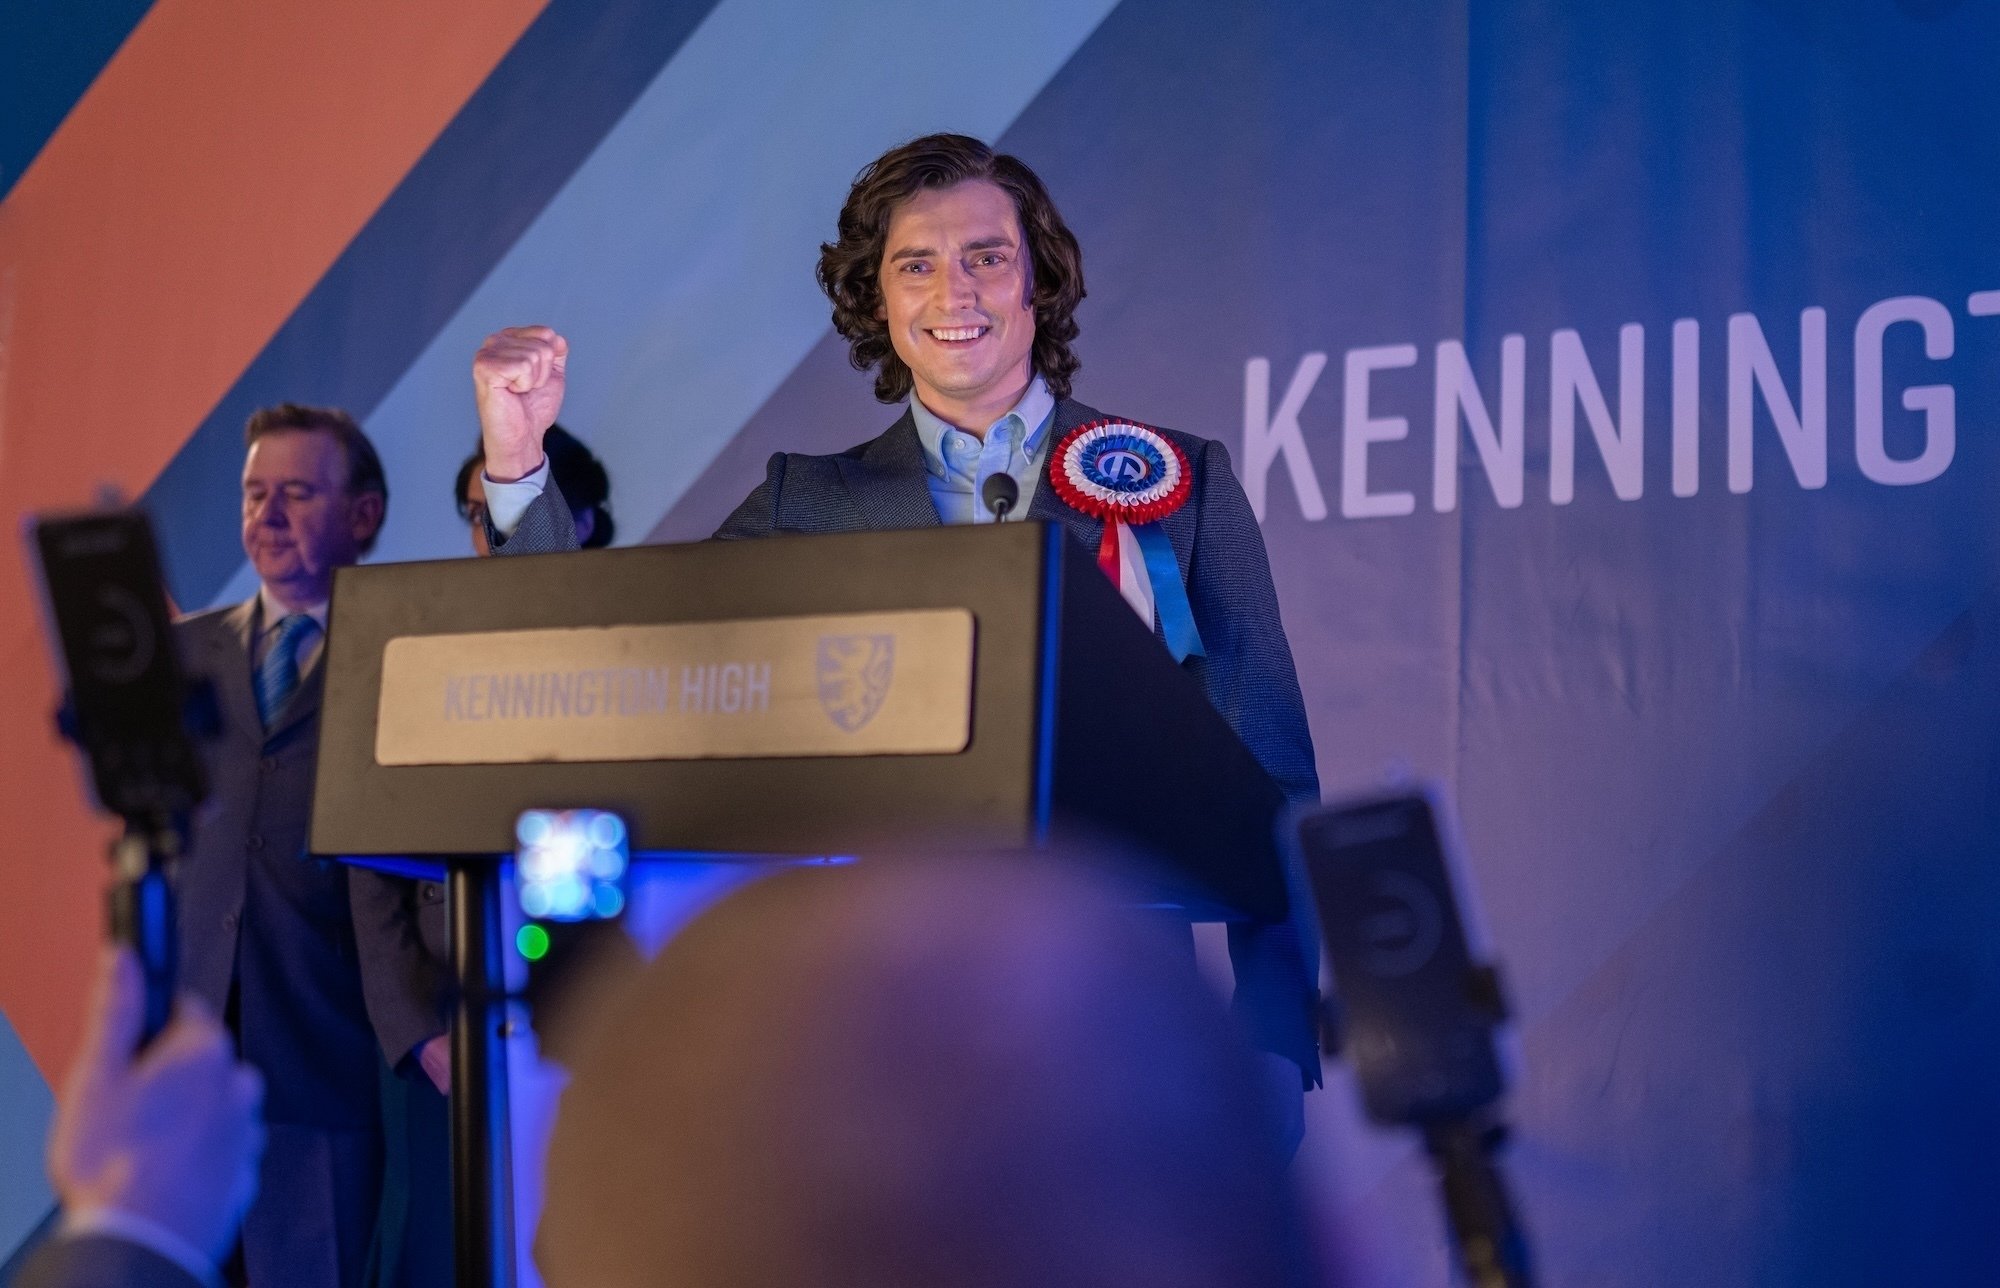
(568, 897)
(607, 831)
(533, 827)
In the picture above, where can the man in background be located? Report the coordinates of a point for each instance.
(316, 969)
(578, 474)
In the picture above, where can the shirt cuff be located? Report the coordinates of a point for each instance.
(507, 502)
(150, 1235)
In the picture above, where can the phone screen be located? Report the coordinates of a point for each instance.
(127, 701)
(572, 864)
(1417, 1020)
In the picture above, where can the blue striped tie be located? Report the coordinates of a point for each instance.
(278, 673)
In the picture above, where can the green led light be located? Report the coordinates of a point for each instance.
(533, 942)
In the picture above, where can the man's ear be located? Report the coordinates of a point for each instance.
(365, 513)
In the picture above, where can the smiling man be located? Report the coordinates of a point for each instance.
(954, 278)
(312, 966)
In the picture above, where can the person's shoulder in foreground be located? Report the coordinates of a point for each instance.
(905, 1072)
(103, 1261)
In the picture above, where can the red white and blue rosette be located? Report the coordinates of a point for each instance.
(1131, 477)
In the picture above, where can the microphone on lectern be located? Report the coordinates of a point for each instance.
(998, 494)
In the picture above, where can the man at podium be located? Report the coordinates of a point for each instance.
(954, 278)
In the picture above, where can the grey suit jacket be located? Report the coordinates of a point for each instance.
(1247, 671)
(317, 963)
(100, 1261)
(317, 967)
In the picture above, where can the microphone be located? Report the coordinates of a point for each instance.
(998, 494)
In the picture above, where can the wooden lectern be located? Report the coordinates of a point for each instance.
(954, 688)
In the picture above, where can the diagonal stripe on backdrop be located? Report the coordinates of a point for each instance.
(180, 213)
(25, 1107)
(679, 258)
(574, 73)
(50, 51)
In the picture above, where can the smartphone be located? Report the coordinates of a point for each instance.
(572, 864)
(130, 710)
(571, 875)
(127, 705)
(1416, 1012)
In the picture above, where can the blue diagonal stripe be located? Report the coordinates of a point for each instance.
(517, 141)
(50, 52)
(26, 1106)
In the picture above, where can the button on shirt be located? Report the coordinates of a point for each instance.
(957, 464)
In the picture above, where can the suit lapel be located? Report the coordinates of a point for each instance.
(887, 480)
(226, 661)
(1049, 507)
(228, 648)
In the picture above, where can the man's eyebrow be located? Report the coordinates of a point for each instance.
(995, 242)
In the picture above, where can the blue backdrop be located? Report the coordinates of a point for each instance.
(1617, 386)
(1726, 754)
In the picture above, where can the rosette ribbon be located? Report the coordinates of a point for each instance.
(1131, 477)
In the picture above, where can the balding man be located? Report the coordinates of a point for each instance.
(965, 1072)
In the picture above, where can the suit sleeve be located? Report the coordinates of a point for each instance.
(758, 515)
(546, 527)
(1247, 672)
(402, 985)
(1248, 675)
(100, 1261)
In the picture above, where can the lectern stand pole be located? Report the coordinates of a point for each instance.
(481, 1165)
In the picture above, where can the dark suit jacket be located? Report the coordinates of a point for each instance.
(100, 1261)
(316, 965)
(1247, 672)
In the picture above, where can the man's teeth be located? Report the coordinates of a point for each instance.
(957, 332)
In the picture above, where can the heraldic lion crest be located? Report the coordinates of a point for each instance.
(854, 675)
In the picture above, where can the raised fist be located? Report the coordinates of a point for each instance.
(517, 377)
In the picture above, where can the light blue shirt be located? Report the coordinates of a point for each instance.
(957, 464)
(507, 502)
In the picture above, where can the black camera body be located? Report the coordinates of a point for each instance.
(1412, 1008)
(129, 709)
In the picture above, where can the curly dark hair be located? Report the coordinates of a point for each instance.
(850, 269)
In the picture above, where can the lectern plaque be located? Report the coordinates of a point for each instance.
(863, 684)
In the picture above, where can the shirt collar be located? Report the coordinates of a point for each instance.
(271, 612)
(1033, 412)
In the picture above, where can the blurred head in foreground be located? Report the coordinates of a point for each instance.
(965, 1072)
